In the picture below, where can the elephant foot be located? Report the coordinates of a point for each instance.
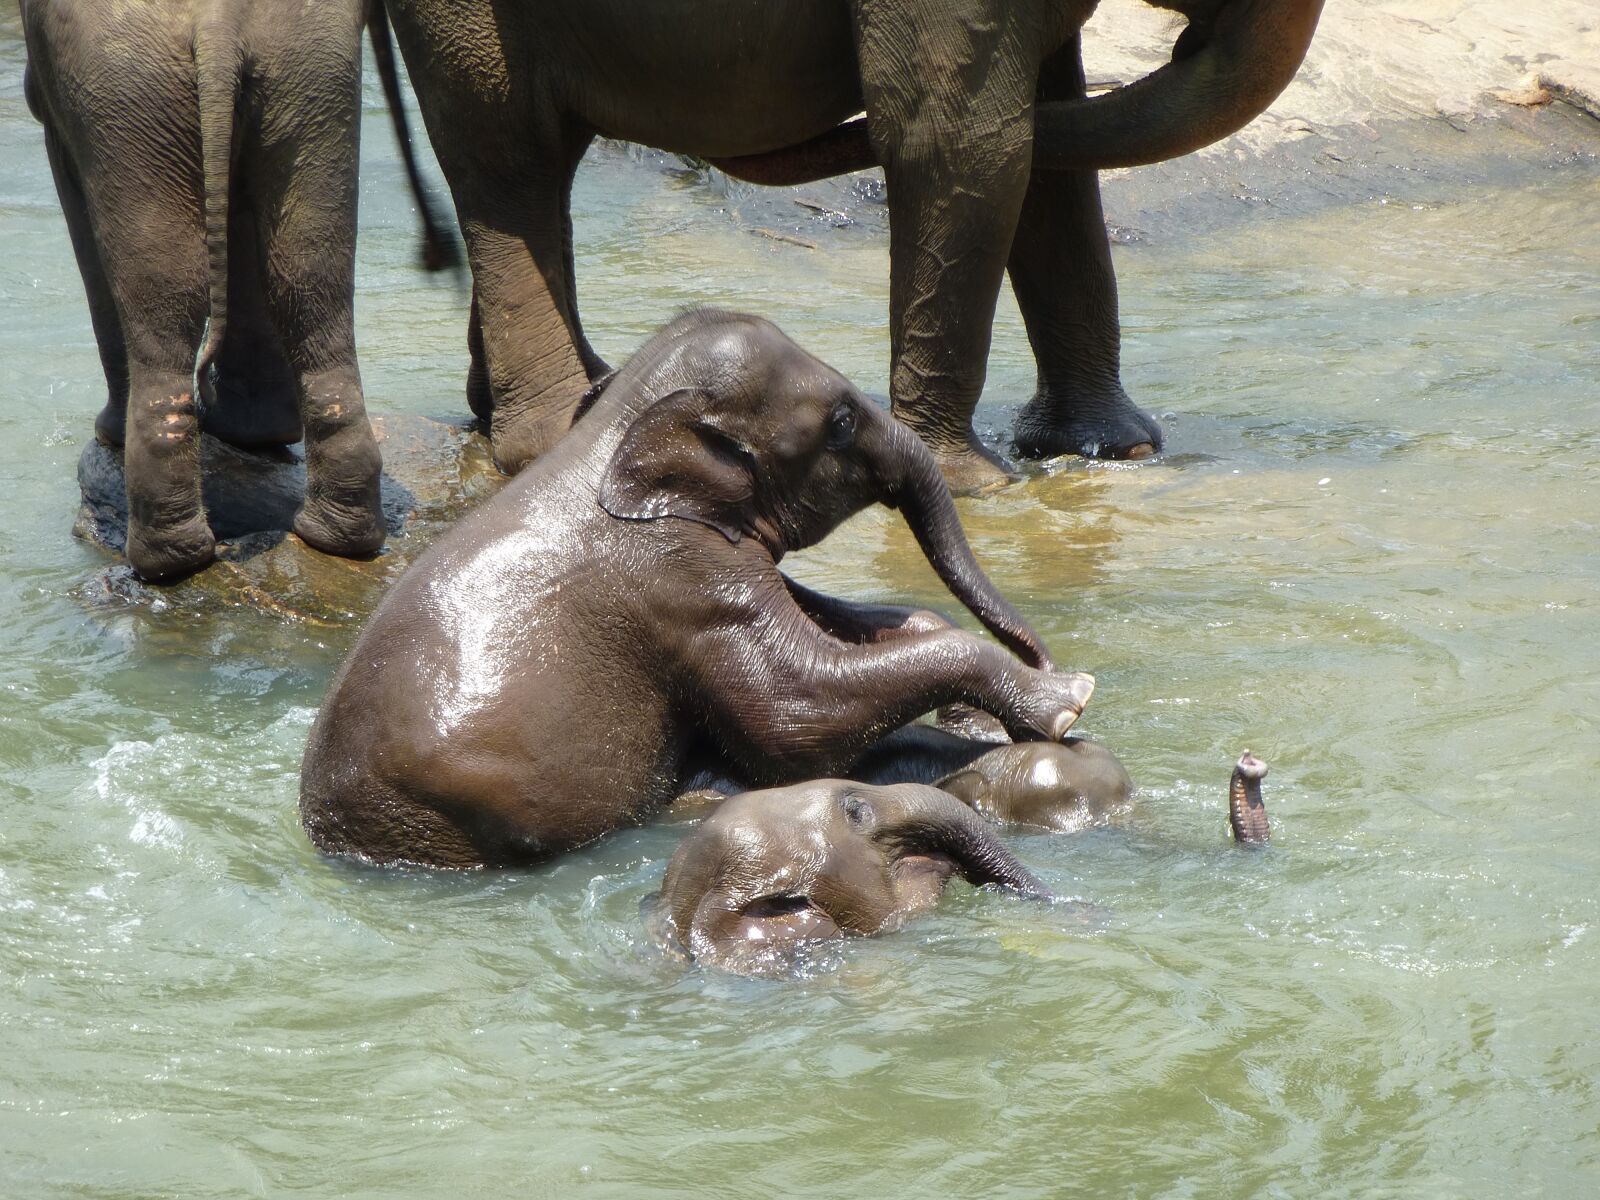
(524, 439)
(973, 469)
(344, 530)
(1111, 427)
(169, 553)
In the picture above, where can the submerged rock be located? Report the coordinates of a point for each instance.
(432, 473)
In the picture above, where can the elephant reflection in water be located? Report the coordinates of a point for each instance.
(613, 625)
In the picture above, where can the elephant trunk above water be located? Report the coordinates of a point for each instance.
(1223, 75)
(919, 492)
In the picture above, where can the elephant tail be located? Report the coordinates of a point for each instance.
(440, 247)
(219, 70)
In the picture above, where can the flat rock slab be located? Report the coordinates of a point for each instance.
(432, 473)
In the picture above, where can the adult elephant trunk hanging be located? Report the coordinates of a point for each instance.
(1224, 73)
(1219, 80)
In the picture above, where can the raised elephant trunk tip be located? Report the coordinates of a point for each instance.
(1247, 813)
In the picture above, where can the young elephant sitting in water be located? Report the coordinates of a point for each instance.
(613, 623)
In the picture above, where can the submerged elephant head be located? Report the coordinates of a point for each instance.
(747, 434)
(1064, 786)
(770, 871)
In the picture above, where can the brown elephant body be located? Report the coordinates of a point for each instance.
(568, 657)
(975, 109)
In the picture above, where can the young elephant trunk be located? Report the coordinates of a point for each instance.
(943, 825)
(918, 490)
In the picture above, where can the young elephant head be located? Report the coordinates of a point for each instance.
(1064, 786)
(770, 871)
(755, 438)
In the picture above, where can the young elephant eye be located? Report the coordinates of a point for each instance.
(841, 425)
(858, 812)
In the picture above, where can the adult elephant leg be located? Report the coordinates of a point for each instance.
(956, 152)
(111, 422)
(307, 183)
(516, 242)
(156, 268)
(594, 366)
(1061, 272)
(480, 396)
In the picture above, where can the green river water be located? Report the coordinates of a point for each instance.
(1372, 556)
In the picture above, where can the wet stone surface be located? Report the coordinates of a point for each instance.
(432, 473)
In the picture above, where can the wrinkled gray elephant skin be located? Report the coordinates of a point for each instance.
(205, 155)
(569, 656)
(976, 111)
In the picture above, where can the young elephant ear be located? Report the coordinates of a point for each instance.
(678, 460)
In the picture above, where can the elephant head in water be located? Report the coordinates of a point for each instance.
(770, 871)
(563, 661)
(1063, 786)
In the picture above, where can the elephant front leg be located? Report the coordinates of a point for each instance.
(787, 701)
(1062, 276)
(956, 147)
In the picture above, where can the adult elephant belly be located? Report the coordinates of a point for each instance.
(709, 77)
